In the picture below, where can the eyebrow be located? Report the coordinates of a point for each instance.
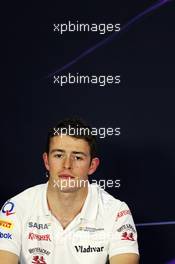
(63, 151)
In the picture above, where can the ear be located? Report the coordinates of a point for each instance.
(46, 161)
(94, 165)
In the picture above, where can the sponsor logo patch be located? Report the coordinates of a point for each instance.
(8, 208)
(123, 213)
(38, 260)
(5, 235)
(6, 224)
(38, 237)
(38, 226)
(39, 250)
(126, 227)
(128, 232)
(90, 229)
(127, 236)
(89, 249)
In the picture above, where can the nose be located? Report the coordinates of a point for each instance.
(67, 163)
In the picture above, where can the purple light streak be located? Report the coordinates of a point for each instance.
(156, 223)
(111, 37)
(171, 262)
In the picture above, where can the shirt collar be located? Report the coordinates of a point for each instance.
(45, 208)
(90, 207)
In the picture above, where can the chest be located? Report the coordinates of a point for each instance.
(45, 241)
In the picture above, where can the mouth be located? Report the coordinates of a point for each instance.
(66, 176)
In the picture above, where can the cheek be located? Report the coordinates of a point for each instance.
(53, 164)
(84, 164)
(83, 168)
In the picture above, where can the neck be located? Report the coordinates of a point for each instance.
(66, 204)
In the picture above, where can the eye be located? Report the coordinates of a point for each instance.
(78, 158)
(58, 156)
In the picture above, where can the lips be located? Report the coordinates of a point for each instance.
(66, 176)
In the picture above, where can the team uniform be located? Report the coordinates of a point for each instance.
(102, 229)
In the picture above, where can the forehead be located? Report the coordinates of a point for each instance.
(69, 143)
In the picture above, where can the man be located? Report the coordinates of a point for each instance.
(67, 220)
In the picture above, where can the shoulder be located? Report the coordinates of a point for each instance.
(25, 201)
(108, 202)
(29, 193)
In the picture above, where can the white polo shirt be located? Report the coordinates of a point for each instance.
(102, 229)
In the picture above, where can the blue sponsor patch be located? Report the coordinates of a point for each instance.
(5, 235)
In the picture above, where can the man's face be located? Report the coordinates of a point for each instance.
(69, 163)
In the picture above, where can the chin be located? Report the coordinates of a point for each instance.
(69, 189)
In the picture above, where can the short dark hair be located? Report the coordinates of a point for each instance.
(77, 125)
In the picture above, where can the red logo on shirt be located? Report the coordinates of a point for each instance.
(38, 260)
(122, 213)
(39, 237)
(127, 236)
(8, 213)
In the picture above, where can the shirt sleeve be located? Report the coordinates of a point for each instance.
(10, 228)
(123, 238)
